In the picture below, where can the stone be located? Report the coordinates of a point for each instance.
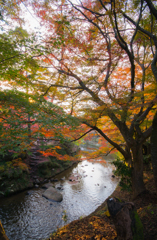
(54, 180)
(37, 181)
(53, 194)
(29, 192)
(62, 179)
(47, 185)
(126, 220)
(59, 186)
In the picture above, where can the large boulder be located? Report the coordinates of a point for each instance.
(126, 220)
(52, 194)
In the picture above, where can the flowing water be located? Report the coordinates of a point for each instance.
(29, 216)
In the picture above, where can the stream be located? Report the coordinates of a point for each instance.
(29, 216)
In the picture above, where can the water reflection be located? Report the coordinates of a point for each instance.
(32, 217)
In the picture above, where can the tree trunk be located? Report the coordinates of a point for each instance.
(154, 148)
(126, 220)
(137, 171)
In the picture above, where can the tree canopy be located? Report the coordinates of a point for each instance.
(97, 60)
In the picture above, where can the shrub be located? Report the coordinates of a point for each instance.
(123, 171)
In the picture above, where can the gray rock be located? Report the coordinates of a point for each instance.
(47, 185)
(52, 194)
(29, 192)
(54, 180)
(37, 181)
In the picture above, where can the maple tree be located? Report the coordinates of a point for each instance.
(103, 59)
(98, 61)
(26, 116)
(46, 122)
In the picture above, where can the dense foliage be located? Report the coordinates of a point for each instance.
(95, 59)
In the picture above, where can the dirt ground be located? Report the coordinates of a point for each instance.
(99, 226)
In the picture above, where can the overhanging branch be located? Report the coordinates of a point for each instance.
(82, 136)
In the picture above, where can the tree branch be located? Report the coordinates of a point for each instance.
(117, 146)
(60, 86)
(82, 135)
(153, 10)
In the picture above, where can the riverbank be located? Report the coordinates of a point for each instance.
(31, 171)
(99, 226)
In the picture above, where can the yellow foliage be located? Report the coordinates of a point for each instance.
(107, 213)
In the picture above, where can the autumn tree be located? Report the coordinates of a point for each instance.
(103, 64)
(26, 116)
(48, 124)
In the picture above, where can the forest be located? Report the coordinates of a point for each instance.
(71, 70)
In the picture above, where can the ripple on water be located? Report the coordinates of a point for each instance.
(32, 217)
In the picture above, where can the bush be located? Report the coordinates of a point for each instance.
(123, 171)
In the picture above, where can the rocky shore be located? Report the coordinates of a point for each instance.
(99, 225)
(33, 170)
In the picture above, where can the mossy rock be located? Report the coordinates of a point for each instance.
(45, 169)
(126, 220)
(12, 185)
(137, 227)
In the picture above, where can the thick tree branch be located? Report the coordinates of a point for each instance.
(60, 86)
(141, 118)
(124, 46)
(152, 36)
(153, 10)
(146, 134)
(117, 146)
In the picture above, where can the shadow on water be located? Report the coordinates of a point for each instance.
(29, 216)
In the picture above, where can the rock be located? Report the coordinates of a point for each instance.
(54, 180)
(29, 192)
(126, 220)
(59, 186)
(47, 185)
(36, 186)
(62, 179)
(52, 194)
(37, 181)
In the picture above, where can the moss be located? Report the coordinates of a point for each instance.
(16, 183)
(45, 169)
(137, 227)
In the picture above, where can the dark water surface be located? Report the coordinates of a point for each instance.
(32, 217)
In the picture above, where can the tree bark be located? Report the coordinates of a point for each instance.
(137, 170)
(154, 148)
(126, 220)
